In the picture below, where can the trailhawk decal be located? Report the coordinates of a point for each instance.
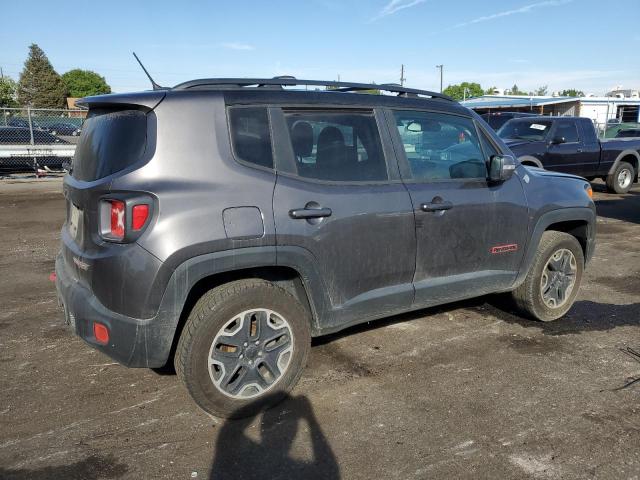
(512, 247)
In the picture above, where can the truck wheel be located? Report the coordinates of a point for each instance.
(243, 347)
(621, 179)
(552, 284)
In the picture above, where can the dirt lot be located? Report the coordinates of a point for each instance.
(465, 391)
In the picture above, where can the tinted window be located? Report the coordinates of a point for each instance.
(589, 131)
(337, 146)
(520, 129)
(628, 133)
(250, 135)
(439, 146)
(496, 121)
(487, 146)
(568, 130)
(110, 142)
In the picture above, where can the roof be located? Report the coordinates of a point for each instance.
(516, 101)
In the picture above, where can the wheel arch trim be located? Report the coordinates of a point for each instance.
(575, 214)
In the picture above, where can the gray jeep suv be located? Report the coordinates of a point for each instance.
(222, 223)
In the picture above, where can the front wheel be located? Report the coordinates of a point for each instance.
(621, 179)
(552, 284)
(243, 347)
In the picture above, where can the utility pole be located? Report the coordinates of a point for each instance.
(402, 79)
(441, 68)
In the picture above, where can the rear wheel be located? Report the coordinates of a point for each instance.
(552, 284)
(244, 346)
(621, 179)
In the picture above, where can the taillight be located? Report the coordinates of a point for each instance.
(139, 214)
(122, 220)
(117, 216)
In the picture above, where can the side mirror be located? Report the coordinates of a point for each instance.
(558, 140)
(501, 168)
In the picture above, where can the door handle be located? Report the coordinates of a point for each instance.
(310, 213)
(436, 207)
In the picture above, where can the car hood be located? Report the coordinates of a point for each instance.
(514, 143)
(541, 172)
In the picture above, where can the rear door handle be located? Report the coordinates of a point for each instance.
(310, 213)
(436, 207)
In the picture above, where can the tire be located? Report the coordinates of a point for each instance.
(530, 298)
(621, 180)
(216, 316)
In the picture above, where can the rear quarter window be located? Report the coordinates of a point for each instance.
(110, 142)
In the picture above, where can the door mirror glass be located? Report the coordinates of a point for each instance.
(501, 168)
(558, 140)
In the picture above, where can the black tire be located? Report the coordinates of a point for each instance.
(615, 182)
(209, 316)
(529, 298)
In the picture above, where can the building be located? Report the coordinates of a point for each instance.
(598, 109)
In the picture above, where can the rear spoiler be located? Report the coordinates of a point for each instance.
(145, 101)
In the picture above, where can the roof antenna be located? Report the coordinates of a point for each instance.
(153, 83)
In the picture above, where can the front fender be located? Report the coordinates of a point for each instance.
(547, 219)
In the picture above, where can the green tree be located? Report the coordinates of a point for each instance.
(83, 83)
(40, 85)
(464, 90)
(541, 91)
(516, 91)
(572, 92)
(490, 90)
(8, 92)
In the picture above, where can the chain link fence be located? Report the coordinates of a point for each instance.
(38, 139)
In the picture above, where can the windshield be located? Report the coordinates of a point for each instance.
(520, 129)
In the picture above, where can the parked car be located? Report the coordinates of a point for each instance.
(629, 133)
(21, 136)
(22, 123)
(63, 128)
(497, 119)
(612, 131)
(230, 220)
(570, 145)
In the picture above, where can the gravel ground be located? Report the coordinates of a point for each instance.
(463, 391)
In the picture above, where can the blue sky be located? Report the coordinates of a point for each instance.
(591, 45)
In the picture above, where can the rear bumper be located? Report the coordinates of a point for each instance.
(132, 342)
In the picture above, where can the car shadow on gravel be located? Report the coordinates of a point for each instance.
(584, 316)
(94, 467)
(238, 455)
(626, 209)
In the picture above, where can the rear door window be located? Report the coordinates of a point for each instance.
(110, 142)
(337, 146)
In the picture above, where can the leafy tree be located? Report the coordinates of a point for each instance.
(458, 91)
(541, 91)
(83, 83)
(40, 85)
(8, 92)
(516, 91)
(572, 92)
(490, 90)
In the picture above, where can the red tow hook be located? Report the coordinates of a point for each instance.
(52, 277)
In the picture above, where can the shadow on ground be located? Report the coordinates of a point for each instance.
(238, 456)
(584, 316)
(625, 208)
(94, 467)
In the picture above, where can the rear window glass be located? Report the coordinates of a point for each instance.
(110, 142)
(250, 135)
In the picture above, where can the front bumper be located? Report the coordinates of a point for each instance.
(132, 342)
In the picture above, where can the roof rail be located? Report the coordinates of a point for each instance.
(292, 81)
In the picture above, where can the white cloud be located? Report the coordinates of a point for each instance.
(507, 13)
(395, 6)
(237, 46)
